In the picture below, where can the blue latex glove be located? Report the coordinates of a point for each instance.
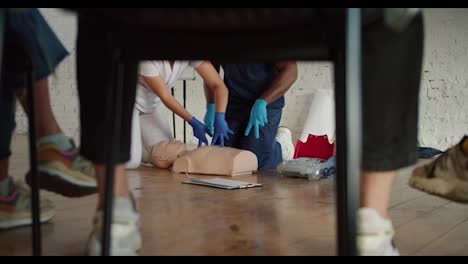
(210, 118)
(221, 129)
(258, 117)
(199, 131)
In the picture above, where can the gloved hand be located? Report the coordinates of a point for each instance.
(258, 117)
(199, 131)
(210, 117)
(221, 129)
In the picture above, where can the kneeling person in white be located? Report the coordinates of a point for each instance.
(150, 125)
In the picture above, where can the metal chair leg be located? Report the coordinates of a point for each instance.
(35, 209)
(173, 117)
(349, 131)
(115, 119)
(185, 104)
(2, 26)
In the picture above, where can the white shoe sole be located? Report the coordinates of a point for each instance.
(135, 242)
(64, 177)
(59, 182)
(10, 224)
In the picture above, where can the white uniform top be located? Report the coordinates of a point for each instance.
(146, 99)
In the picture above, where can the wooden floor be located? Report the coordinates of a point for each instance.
(285, 217)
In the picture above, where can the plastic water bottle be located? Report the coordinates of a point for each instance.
(329, 172)
(329, 168)
(324, 169)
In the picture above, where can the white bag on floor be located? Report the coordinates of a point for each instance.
(321, 117)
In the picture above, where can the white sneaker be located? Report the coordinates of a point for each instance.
(284, 138)
(125, 233)
(375, 234)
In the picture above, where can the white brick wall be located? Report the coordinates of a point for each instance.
(444, 93)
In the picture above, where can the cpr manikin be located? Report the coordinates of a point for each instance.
(215, 160)
(211, 160)
(165, 153)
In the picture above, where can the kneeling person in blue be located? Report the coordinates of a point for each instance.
(255, 106)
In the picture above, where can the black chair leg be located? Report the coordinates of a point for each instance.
(173, 117)
(185, 106)
(35, 209)
(349, 130)
(114, 117)
(2, 27)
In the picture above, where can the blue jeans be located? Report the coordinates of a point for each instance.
(267, 150)
(31, 30)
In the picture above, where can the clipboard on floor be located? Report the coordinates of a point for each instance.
(222, 183)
